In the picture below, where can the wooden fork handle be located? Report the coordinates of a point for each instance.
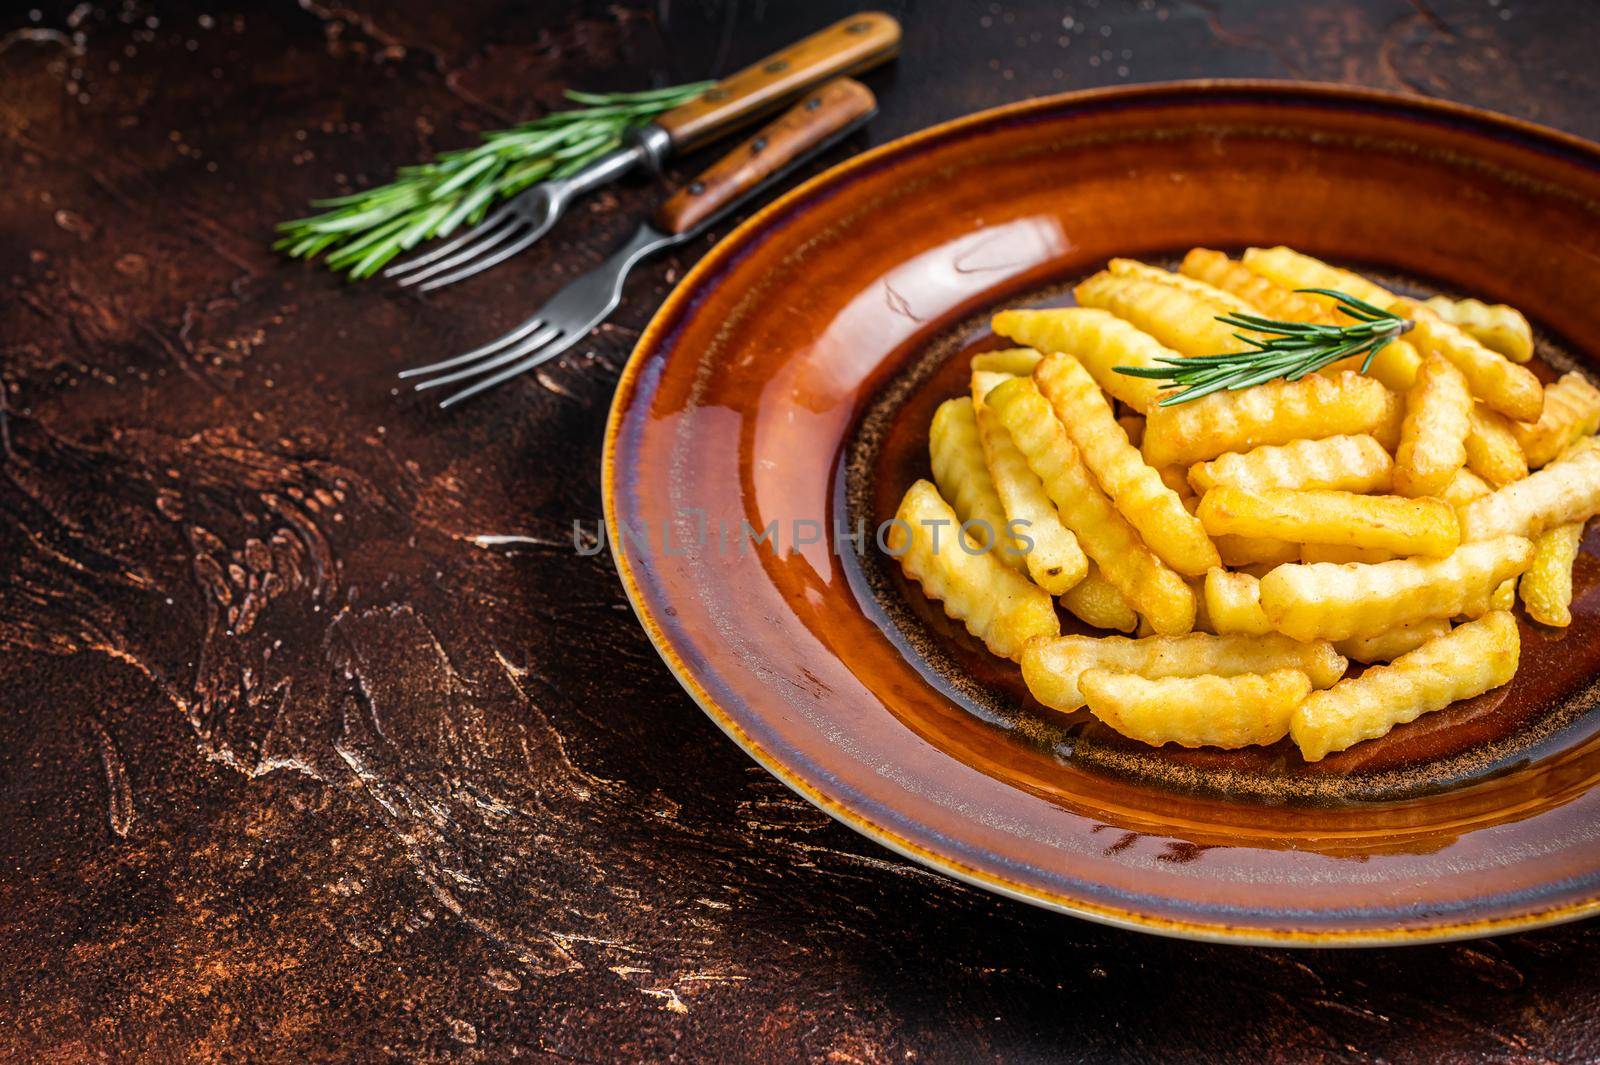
(850, 46)
(817, 118)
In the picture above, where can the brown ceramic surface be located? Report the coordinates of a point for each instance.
(792, 375)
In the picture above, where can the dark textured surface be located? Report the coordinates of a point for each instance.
(318, 741)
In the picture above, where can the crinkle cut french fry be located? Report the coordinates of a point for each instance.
(985, 381)
(1053, 559)
(1396, 364)
(1433, 438)
(1175, 480)
(1501, 384)
(1181, 320)
(1470, 660)
(1296, 270)
(1097, 603)
(1390, 645)
(1100, 340)
(1494, 325)
(1324, 601)
(1276, 412)
(1571, 412)
(1502, 597)
(1209, 711)
(1493, 452)
(963, 479)
(1138, 492)
(1563, 492)
(1273, 300)
(1322, 516)
(1018, 362)
(1133, 426)
(1227, 300)
(1335, 553)
(997, 604)
(1463, 488)
(1233, 603)
(1255, 551)
(1547, 584)
(1052, 667)
(1148, 584)
(1345, 463)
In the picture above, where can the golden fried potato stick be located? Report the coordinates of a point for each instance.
(1324, 601)
(1463, 488)
(1501, 384)
(1546, 585)
(1138, 492)
(1494, 325)
(1345, 463)
(1296, 270)
(1571, 412)
(1271, 299)
(1241, 551)
(1147, 583)
(1276, 412)
(1054, 560)
(1017, 362)
(1433, 438)
(1336, 553)
(1563, 492)
(1396, 365)
(1181, 320)
(1208, 711)
(1390, 645)
(985, 381)
(997, 604)
(1233, 603)
(963, 479)
(1096, 602)
(1470, 660)
(1100, 340)
(1323, 516)
(1492, 449)
(1145, 272)
(1051, 667)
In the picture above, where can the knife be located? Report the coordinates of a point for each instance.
(849, 46)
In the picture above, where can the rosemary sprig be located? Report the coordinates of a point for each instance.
(360, 232)
(1278, 349)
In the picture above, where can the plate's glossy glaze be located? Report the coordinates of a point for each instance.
(791, 377)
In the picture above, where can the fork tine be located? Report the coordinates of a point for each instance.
(408, 265)
(554, 348)
(484, 242)
(483, 264)
(542, 337)
(494, 345)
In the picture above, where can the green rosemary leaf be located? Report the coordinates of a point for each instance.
(360, 231)
(1275, 349)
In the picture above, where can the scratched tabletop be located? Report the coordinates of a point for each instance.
(317, 738)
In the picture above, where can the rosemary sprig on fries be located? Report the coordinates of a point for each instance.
(1278, 349)
(361, 232)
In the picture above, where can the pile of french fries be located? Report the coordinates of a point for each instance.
(1254, 542)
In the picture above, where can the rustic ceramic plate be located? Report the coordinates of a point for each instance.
(791, 378)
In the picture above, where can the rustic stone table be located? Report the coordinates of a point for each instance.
(318, 741)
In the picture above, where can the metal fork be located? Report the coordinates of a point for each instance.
(818, 121)
(849, 46)
(526, 217)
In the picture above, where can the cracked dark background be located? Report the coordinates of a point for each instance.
(316, 740)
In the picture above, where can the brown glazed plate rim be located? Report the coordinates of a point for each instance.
(671, 315)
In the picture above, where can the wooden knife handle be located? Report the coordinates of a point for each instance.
(819, 116)
(851, 46)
